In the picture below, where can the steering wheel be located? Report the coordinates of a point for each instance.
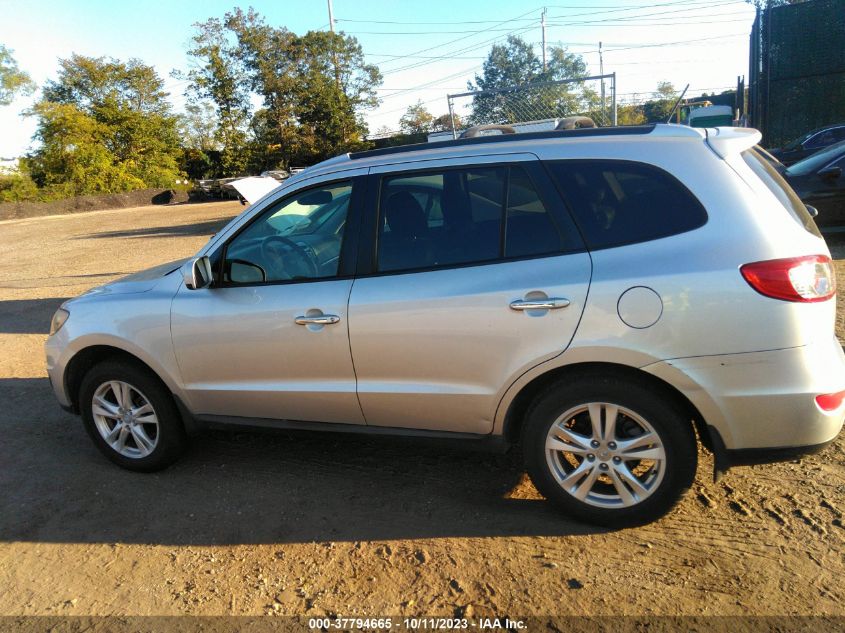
(279, 251)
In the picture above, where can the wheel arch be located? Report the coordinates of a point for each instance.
(87, 358)
(519, 405)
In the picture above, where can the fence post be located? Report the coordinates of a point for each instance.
(452, 116)
(613, 99)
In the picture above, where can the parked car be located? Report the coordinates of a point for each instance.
(227, 191)
(206, 186)
(599, 297)
(818, 182)
(809, 143)
(277, 174)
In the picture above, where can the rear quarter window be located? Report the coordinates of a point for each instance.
(764, 170)
(623, 202)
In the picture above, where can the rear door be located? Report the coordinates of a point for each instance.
(470, 273)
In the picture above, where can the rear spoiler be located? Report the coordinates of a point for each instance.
(732, 140)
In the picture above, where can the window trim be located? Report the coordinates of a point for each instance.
(547, 166)
(348, 246)
(549, 196)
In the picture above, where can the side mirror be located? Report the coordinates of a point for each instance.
(812, 210)
(830, 174)
(197, 273)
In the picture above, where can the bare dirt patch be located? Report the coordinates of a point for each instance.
(258, 524)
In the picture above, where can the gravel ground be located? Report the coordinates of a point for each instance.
(258, 524)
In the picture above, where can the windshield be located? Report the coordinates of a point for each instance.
(818, 160)
(795, 144)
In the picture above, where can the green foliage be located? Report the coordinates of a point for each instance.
(443, 123)
(416, 120)
(13, 81)
(313, 90)
(218, 77)
(104, 126)
(17, 187)
(663, 100)
(515, 64)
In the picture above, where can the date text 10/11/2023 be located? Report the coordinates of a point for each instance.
(416, 624)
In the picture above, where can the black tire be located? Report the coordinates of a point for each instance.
(171, 439)
(672, 426)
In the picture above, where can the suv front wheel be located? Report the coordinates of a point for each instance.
(609, 452)
(131, 416)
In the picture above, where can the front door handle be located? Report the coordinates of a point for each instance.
(322, 319)
(552, 303)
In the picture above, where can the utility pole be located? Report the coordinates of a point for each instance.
(543, 29)
(334, 58)
(601, 72)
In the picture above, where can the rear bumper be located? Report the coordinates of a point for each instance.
(762, 404)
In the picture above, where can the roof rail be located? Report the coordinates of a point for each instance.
(509, 138)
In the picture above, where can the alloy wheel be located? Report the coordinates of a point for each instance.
(125, 419)
(605, 455)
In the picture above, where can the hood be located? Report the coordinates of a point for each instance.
(138, 282)
(255, 187)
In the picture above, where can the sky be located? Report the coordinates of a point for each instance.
(425, 50)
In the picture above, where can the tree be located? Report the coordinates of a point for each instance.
(218, 77)
(444, 123)
(663, 100)
(314, 88)
(13, 81)
(104, 126)
(514, 64)
(416, 120)
(198, 127)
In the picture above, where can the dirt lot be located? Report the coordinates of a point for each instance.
(255, 524)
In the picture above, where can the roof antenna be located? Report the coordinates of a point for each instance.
(677, 103)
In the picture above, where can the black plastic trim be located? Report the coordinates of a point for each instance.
(753, 456)
(725, 458)
(487, 442)
(507, 138)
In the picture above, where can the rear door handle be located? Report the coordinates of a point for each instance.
(552, 303)
(323, 319)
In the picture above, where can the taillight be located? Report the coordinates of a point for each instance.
(830, 401)
(804, 279)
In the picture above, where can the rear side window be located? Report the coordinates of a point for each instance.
(782, 191)
(465, 216)
(622, 202)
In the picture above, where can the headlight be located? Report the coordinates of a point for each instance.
(58, 320)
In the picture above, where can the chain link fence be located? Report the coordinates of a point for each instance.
(797, 69)
(536, 107)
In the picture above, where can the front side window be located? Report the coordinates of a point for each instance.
(464, 216)
(619, 202)
(295, 239)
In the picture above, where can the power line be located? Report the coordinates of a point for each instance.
(704, 4)
(458, 52)
(431, 48)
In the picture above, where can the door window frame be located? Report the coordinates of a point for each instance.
(349, 240)
(367, 261)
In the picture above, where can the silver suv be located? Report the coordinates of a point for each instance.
(600, 297)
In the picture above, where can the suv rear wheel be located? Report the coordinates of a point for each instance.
(607, 452)
(131, 416)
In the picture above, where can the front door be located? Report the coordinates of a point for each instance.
(479, 276)
(269, 339)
